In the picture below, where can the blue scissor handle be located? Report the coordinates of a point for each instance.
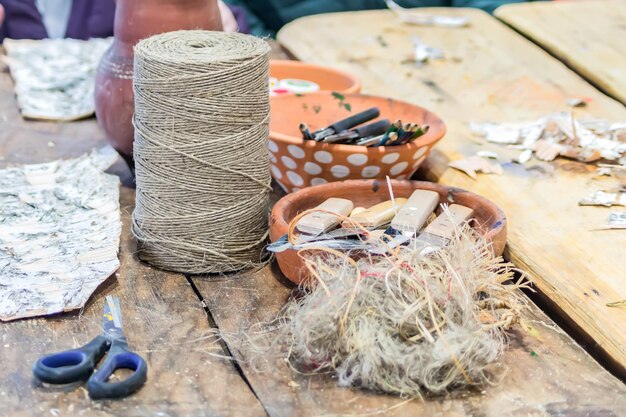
(71, 365)
(119, 357)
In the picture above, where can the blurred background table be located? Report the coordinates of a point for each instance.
(588, 36)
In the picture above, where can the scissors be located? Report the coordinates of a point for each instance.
(77, 365)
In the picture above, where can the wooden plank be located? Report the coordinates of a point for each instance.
(163, 318)
(545, 373)
(164, 322)
(493, 73)
(590, 36)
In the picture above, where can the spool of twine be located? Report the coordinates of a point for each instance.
(202, 170)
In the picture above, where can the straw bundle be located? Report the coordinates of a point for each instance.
(405, 323)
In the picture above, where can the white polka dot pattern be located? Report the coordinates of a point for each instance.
(295, 178)
(357, 159)
(419, 162)
(390, 158)
(421, 151)
(339, 171)
(318, 181)
(276, 172)
(370, 171)
(289, 163)
(398, 168)
(273, 158)
(323, 157)
(272, 146)
(295, 151)
(282, 186)
(312, 168)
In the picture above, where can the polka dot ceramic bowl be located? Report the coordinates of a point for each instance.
(297, 163)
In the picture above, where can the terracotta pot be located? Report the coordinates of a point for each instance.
(136, 20)
(489, 219)
(297, 163)
(329, 79)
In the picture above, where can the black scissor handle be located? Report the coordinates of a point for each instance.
(119, 357)
(71, 365)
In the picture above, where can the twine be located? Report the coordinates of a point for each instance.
(202, 171)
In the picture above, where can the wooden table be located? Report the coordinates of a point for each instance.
(493, 74)
(590, 36)
(170, 319)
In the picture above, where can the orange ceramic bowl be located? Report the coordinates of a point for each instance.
(297, 163)
(489, 219)
(328, 79)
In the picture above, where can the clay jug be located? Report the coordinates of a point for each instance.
(136, 20)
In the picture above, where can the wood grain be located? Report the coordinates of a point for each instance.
(164, 322)
(544, 373)
(590, 36)
(163, 318)
(493, 74)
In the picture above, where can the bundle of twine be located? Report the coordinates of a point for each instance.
(202, 170)
(406, 323)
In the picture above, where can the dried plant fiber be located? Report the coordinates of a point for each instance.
(202, 171)
(406, 323)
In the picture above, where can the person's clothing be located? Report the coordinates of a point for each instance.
(87, 19)
(266, 17)
(55, 15)
(78, 19)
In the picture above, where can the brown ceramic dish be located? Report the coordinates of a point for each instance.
(488, 218)
(329, 79)
(296, 163)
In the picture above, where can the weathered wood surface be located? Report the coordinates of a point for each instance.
(493, 74)
(544, 372)
(590, 36)
(165, 323)
(163, 318)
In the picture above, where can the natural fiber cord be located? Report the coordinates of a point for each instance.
(202, 170)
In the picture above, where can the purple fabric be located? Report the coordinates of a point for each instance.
(240, 17)
(88, 19)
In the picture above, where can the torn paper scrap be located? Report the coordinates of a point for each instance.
(59, 234)
(55, 78)
(423, 53)
(576, 102)
(524, 157)
(426, 19)
(475, 164)
(617, 220)
(603, 198)
(487, 154)
(560, 134)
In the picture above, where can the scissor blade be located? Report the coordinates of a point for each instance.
(112, 317)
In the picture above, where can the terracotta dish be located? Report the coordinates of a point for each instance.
(297, 163)
(328, 79)
(488, 218)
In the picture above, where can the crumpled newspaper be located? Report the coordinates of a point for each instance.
(560, 134)
(55, 78)
(60, 230)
